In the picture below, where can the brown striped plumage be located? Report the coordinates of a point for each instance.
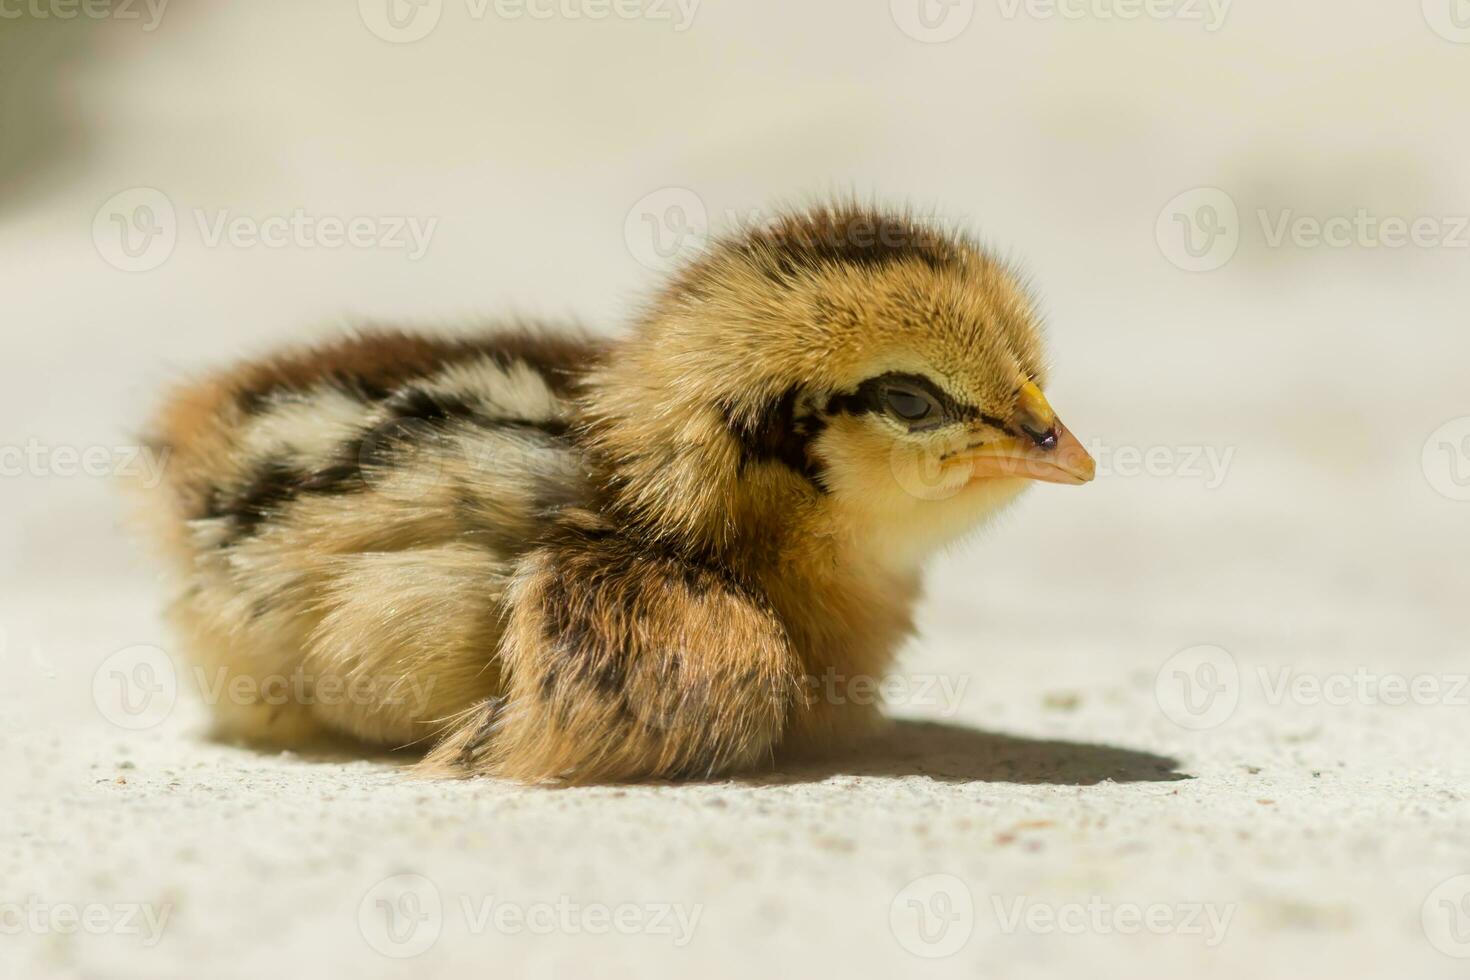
(553, 557)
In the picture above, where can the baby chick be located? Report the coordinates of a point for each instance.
(560, 558)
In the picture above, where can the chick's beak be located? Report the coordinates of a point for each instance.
(1039, 447)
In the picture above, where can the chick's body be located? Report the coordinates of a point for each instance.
(553, 557)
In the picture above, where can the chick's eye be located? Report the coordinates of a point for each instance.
(908, 405)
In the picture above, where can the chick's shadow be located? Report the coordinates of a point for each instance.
(939, 750)
(958, 754)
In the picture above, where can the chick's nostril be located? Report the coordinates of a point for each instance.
(1045, 438)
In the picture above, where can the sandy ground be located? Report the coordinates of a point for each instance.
(1206, 717)
(1047, 814)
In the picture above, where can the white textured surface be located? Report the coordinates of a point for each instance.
(1319, 832)
(1319, 829)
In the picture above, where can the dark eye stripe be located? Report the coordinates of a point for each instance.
(871, 396)
(779, 433)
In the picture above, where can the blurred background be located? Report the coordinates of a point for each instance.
(1248, 222)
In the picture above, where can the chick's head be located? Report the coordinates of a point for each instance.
(850, 370)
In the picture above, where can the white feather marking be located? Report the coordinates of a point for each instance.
(518, 391)
(306, 429)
